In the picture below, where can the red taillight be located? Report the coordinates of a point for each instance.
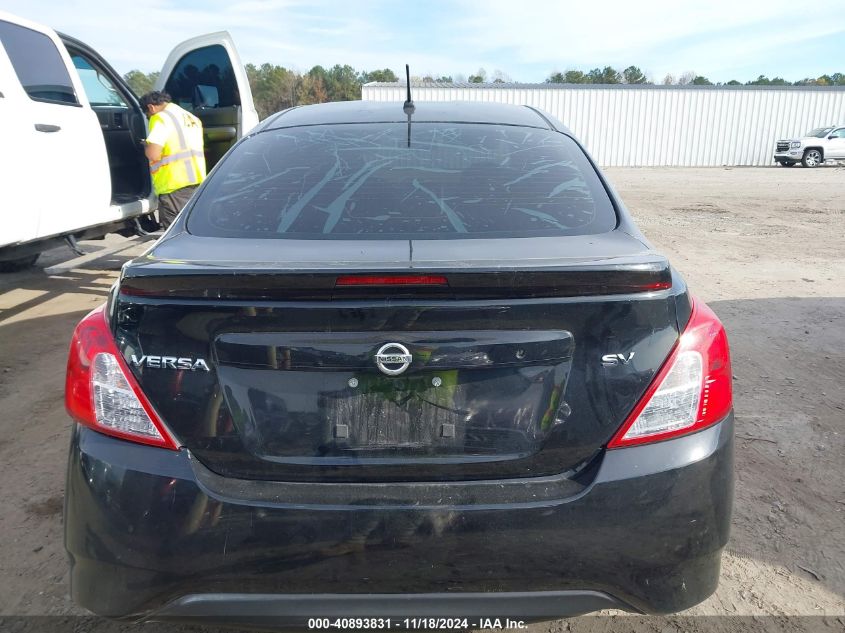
(392, 280)
(690, 392)
(100, 391)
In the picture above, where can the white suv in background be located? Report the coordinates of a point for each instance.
(78, 170)
(814, 148)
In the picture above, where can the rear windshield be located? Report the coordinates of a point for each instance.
(374, 181)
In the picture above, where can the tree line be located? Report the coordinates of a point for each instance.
(275, 87)
(633, 75)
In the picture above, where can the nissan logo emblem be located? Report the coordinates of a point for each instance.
(393, 359)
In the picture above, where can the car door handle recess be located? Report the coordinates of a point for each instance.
(46, 127)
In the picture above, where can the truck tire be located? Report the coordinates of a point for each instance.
(15, 265)
(812, 158)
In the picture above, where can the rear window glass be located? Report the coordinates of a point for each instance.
(374, 181)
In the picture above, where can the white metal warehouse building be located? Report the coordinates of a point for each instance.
(641, 125)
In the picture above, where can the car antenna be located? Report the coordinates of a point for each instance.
(408, 107)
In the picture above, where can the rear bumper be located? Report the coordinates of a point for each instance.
(152, 534)
(275, 610)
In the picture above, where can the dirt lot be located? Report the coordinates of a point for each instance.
(766, 249)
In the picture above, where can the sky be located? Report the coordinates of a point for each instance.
(526, 40)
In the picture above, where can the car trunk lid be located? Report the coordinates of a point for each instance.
(495, 373)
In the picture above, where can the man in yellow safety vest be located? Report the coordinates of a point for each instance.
(174, 148)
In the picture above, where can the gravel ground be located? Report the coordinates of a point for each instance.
(764, 247)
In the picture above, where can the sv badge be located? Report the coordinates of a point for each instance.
(612, 360)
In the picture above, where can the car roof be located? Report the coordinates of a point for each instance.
(424, 112)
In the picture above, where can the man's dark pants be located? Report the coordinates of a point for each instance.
(170, 204)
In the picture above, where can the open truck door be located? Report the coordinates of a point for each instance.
(205, 76)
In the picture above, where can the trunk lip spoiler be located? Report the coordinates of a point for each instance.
(610, 278)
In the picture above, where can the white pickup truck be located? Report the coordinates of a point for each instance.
(72, 165)
(814, 148)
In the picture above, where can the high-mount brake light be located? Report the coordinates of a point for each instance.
(690, 392)
(100, 391)
(391, 280)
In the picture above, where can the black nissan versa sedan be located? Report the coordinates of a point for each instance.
(393, 367)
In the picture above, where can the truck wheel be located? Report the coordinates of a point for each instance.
(812, 158)
(14, 265)
(786, 163)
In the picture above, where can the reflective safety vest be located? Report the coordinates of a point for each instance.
(182, 161)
